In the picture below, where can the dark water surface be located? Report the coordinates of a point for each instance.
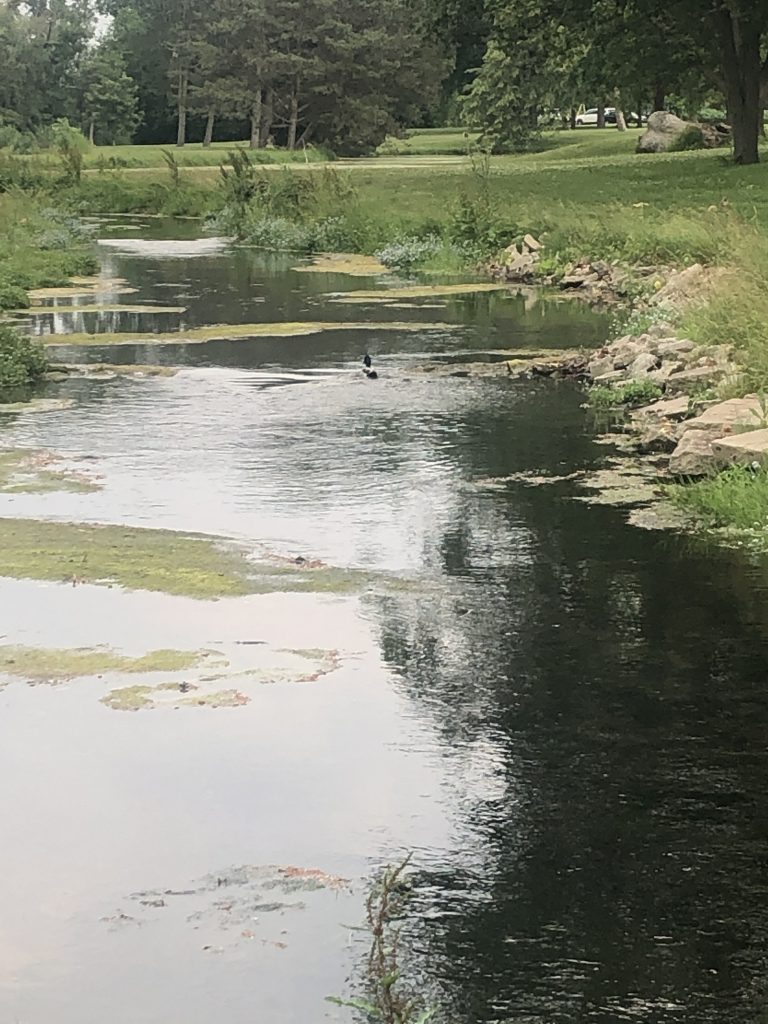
(563, 716)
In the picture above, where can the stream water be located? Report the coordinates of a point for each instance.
(562, 716)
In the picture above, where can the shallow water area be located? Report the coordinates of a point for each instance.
(561, 715)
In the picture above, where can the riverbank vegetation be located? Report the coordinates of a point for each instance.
(734, 500)
(22, 365)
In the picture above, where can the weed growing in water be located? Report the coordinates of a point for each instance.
(388, 999)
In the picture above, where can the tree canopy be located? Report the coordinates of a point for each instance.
(344, 73)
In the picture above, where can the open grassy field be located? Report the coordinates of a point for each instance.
(596, 172)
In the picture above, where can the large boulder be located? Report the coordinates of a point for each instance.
(744, 449)
(662, 132)
(693, 455)
(666, 131)
(737, 414)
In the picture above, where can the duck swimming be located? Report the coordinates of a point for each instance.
(369, 373)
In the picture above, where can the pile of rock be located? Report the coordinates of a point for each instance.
(675, 364)
(725, 433)
(519, 262)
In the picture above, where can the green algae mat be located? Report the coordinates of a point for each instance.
(25, 471)
(230, 332)
(181, 564)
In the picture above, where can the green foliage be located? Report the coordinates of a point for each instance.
(691, 137)
(22, 362)
(109, 100)
(110, 193)
(16, 173)
(71, 146)
(737, 498)
(39, 247)
(477, 225)
(628, 395)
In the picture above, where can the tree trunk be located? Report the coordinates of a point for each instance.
(621, 121)
(639, 112)
(601, 115)
(306, 135)
(92, 131)
(256, 120)
(659, 97)
(208, 137)
(740, 53)
(181, 101)
(572, 119)
(267, 116)
(293, 117)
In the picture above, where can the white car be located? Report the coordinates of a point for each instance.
(589, 117)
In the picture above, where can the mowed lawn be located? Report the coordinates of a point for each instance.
(588, 171)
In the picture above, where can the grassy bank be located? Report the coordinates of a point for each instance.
(39, 247)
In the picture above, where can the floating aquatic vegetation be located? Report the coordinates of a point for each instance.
(298, 667)
(137, 559)
(418, 291)
(50, 665)
(344, 263)
(113, 308)
(237, 905)
(107, 370)
(183, 564)
(500, 483)
(176, 695)
(38, 405)
(84, 286)
(623, 483)
(25, 471)
(229, 332)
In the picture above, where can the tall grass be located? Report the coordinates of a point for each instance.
(736, 498)
(736, 309)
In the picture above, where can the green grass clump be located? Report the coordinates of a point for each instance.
(628, 395)
(737, 499)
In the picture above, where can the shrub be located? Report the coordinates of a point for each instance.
(405, 252)
(22, 361)
(277, 233)
(26, 175)
(629, 394)
(71, 146)
(691, 137)
(12, 296)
